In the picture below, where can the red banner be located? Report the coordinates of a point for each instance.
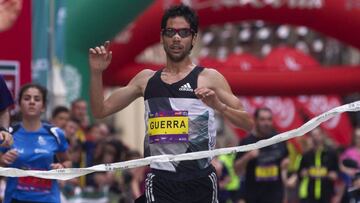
(339, 127)
(287, 111)
(284, 110)
(15, 40)
(329, 17)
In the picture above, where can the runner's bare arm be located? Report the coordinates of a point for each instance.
(120, 98)
(99, 60)
(215, 91)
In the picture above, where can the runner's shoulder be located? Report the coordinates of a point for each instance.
(143, 76)
(212, 74)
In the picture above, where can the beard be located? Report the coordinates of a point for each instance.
(177, 57)
(266, 131)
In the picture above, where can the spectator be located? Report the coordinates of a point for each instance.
(71, 127)
(79, 111)
(60, 116)
(35, 146)
(264, 170)
(318, 171)
(134, 178)
(232, 183)
(349, 163)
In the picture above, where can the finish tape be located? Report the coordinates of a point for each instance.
(69, 173)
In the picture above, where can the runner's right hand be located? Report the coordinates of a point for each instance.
(100, 57)
(9, 157)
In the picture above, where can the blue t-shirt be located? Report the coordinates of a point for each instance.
(5, 95)
(36, 150)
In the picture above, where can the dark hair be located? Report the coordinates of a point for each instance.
(59, 109)
(75, 120)
(41, 89)
(77, 101)
(92, 126)
(258, 110)
(181, 10)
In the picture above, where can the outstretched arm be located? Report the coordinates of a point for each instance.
(6, 139)
(99, 60)
(215, 91)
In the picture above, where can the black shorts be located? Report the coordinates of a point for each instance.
(159, 189)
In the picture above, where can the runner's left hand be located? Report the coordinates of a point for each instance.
(209, 97)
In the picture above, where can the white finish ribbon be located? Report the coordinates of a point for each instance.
(69, 173)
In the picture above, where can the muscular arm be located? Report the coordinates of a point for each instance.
(120, 98)
(215, 91)
(99, 60)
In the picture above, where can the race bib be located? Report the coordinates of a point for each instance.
(168, 127)
(34, 184)
(266, 173)
(318, 172)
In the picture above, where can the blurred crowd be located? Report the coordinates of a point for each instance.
(303, 170)
(309, 169)
(92, 143)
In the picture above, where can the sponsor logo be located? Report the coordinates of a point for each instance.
(41, 141)
(186, 88)
(40, 151)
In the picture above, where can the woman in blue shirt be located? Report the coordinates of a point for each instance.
(37, 146)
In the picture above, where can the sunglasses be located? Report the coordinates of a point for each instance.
(182, 32)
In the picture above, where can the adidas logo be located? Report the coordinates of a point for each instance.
(186, 87)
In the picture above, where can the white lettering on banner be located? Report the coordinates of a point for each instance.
(69, 173)
(320, 103)
(283, 109)
(352, 4)
(276, 4)
(291, 63)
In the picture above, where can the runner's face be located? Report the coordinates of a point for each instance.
(31, 104)
(177, 48)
